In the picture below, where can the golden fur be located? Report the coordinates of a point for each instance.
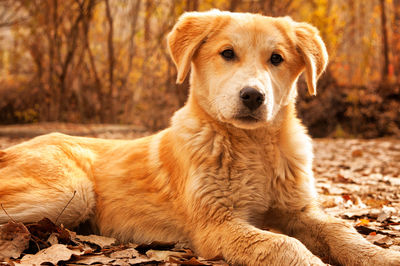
(214, 178)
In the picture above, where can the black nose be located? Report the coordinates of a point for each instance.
(251, 98)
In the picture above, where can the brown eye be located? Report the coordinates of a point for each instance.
(228, 54)
(276, 59)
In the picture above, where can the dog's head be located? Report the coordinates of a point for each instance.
(245, 66)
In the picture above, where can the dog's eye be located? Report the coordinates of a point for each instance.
(276, 59)
(228, 54)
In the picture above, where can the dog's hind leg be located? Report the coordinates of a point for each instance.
(34, 185)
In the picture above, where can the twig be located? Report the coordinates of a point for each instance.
(65, 207)
(1, 204)
(36, 241)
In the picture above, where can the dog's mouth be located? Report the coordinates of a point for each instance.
(248, 118)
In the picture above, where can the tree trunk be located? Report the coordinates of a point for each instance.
(52, 29)
(144, 79)
(385, 44)
(98, 91)
(234, 5)
(192, 5)
(111, 62)
(396, 39)
(134, 14)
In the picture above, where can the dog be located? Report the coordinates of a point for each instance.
(232, 175)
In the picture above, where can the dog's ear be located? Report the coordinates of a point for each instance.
(191, 30)
(313, 51)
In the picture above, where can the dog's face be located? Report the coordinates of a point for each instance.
(245, 66)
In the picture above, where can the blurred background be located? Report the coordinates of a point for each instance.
(106, 61)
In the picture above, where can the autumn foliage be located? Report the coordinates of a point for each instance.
(102, 61)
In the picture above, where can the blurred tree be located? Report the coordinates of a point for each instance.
(385, 43)
(396, 38)
(234, 4)
(111, 95)
(107, 61)
(276, 7)
(10, 14)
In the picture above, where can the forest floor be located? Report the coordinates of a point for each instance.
(358, 180)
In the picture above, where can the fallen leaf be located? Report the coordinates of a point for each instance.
(385, 214)
(135, 261)
(157, 245)
(14, 239)
(162, 255)
(94, 259)
(364, 222)
(53, 239)
(365, 230)
(85, 248)
(45, 227)
(126, 253)
(357, 153)
(379, 239)
(346, 197)
(191, 261)
(101, 241)
(355, 213)
(344, 176)
(330, 201)
(53, 254)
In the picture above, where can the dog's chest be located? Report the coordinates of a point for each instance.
(238, 178)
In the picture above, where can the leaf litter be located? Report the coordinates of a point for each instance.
(358, 180)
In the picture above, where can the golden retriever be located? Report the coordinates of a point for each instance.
(234, 163)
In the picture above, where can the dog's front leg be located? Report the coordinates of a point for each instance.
(242, 244)
(334, 239)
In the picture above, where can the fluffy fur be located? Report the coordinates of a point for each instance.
(215, 178)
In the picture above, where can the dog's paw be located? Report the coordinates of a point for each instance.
(291, 251)
(386, 257)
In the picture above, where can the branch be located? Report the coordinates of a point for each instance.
(65, 207)
(1, 204)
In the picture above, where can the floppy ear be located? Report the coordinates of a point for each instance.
(313, 51)
(191, 30)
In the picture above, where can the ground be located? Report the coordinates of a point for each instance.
(358, 180)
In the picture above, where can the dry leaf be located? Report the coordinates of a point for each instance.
(385, 214)
(126, 253)
(135, 261)
(92, 259)
(192, 261)
(53, 254)
(140, 261)
(363, 222)
(45, 227)
(379, 239)
(100, 241)
(162, 255)
(14, 239)
(357, 153)
(157, 245)
(53, 239)
(330, 201)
